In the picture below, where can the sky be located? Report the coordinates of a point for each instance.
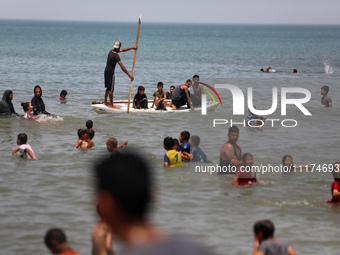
(177, 11)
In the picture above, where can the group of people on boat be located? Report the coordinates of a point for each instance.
(177, 97)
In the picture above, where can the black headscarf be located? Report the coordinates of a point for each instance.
(6, 106)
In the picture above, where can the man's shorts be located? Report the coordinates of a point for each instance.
(110, 82)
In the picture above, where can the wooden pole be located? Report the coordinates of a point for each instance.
(134, 62)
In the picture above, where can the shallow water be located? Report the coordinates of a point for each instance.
(57, 189)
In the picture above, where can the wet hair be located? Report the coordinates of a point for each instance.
(172, 87)
(112, 141)
(168, 143)
(25, 106)
(160, 84)
(37, 87)
(140, 88)
(176, 142)
(266, 227)
(185, 135)
(90, 132)
(285, 157)
(82, 132)
(245, 155)
(63, 92)
(127, 178)
(195, 76)
(233, 129)
(261, 70)
(195, 140)
(336, 170)
(89, 124)
(325, 88)
(295, 71)
(188, 81)
(54, 234)
(22, 137)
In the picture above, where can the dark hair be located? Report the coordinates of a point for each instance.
(140, 88)
(195, 140)
(336, 170)
(295, 71)
(54, 234)
(127, 178)
(195, 76)
(25, 106)
(89, 124)
(176, 142)
(246, 155)
(185, 135)
(160, 84)
(82, 132)
(285, 157)
(63, 92)
(168, 143)
(262, 70)
(172, 87)
(233, 129)
(188, 81)
(325, 88)
(266, 227)
(22, 138)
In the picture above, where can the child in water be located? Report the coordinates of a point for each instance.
(245, 174)
(37, 102)
(196, 153)
(84, 141)
(25, 149)
(287, 163)
(63, 95)
(28, 108)
(89, 126)
(336, 184)
(171, 157)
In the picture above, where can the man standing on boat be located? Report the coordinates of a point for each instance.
(109, 74)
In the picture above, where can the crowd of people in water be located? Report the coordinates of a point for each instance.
(184, 149)
(124, 179)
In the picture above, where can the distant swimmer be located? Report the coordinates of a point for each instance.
(287, 163)
(109, 74)
(63, 95)
(295, 71)
(326, 101)
(269, 70)
(28, 108)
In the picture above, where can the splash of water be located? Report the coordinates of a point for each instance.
(49, 119)
(328, 68)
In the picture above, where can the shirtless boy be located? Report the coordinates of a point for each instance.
(231, 153)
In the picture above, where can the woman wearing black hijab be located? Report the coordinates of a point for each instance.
(37, 102)
(6, 106)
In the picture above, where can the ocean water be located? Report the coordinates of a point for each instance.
(57, 190)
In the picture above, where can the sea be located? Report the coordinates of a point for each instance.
(57, 190)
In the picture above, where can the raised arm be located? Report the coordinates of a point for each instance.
(129, 48)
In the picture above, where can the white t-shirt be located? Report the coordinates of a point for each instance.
(25, 154)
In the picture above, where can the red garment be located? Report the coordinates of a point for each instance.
(245, 177)
(335, 185)
(71, 252)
